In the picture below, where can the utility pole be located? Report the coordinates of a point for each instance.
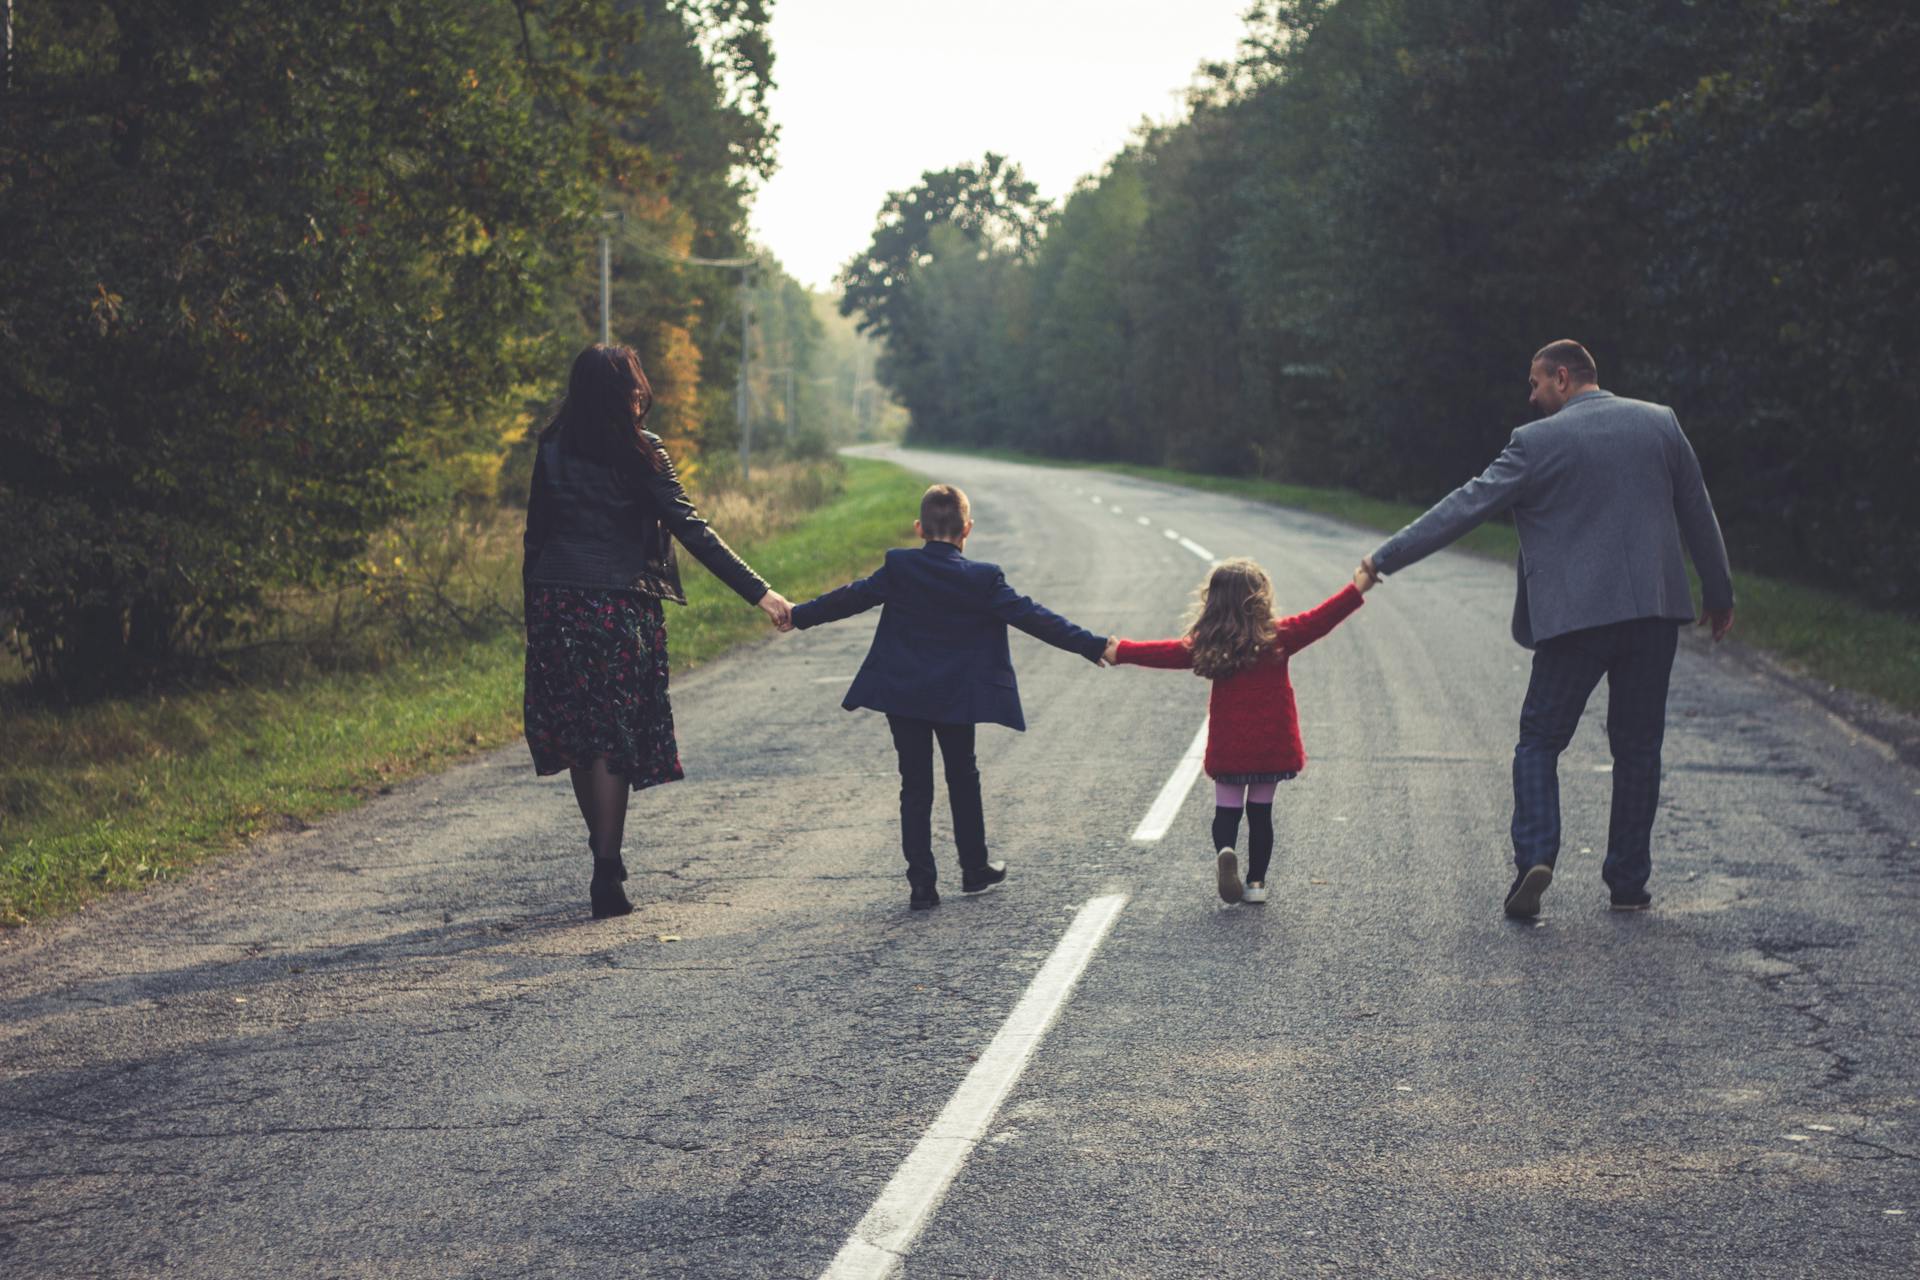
(606, 275)
(606, 290)
(740, 390)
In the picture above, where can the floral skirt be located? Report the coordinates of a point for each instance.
(597, 684)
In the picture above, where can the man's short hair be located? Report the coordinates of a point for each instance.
(944, 511)
(1571, 356)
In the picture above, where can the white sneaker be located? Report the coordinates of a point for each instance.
(1227, 875)
(1255, 892)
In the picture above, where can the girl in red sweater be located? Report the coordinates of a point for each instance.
(1253, 731)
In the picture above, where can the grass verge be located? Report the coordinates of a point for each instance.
(1818, 633)
(128, 792)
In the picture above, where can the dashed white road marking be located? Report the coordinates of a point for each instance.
(1142, 520)
(880, 1242)
(1166, 805)
(1197, 549)
(1171, 534)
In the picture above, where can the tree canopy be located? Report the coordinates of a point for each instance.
(1334, 269)
(265, 269)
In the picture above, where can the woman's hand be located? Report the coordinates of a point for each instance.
(778, 611)
(1112, 655)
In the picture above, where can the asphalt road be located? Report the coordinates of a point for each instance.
(396, 1046)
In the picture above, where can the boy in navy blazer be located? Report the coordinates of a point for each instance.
(938, 666)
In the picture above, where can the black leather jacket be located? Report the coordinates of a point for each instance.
(594, 526)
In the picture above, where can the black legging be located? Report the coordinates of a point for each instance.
(1226, 831)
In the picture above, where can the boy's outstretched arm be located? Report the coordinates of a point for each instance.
(1043, 623)
(843, 602)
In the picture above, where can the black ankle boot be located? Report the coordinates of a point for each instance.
(608, 898)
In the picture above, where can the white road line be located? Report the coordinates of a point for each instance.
(1115, 510)
(1143, 520)
(880, 1243)
(1096, 499)
(1166, 806)
(1197, 549)
(1171, 534)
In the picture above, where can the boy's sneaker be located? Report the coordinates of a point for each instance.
(984, 879)
(1227, 875)
(1523, 899)
(1631, 900)
(1254, 892)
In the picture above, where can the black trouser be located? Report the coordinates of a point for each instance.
(913, 740)
(1636, 658)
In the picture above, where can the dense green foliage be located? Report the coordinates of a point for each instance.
(272, 275)
(1334, 269)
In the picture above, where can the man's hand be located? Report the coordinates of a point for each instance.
(1112, 655)
(1720, 619)
(778, 611)
(1366, 577)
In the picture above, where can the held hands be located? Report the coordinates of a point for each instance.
(1720, 619)
(778, 611)
(1112, 654)
(1366, 577)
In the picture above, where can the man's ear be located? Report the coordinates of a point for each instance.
(918, 532)
(967, 532)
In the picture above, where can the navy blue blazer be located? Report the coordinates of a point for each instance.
(940, 652)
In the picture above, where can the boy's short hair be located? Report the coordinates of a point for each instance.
(944, 512)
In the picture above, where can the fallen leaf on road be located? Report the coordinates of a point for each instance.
(1316, 882)
(667, 937)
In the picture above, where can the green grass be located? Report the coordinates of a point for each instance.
(127, 792)
(1819, 633)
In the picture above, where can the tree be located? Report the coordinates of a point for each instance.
(966, 231)
(262, 268)
(991, 205)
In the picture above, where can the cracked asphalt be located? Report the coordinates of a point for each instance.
(395, 1045)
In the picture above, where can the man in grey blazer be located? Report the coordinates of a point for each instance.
(1604, 492)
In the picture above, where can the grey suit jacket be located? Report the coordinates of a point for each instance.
(1604, 494)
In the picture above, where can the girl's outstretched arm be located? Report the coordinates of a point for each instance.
(1302, 629)
(1175, 654)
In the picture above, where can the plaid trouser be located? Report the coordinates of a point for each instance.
(1636, 658)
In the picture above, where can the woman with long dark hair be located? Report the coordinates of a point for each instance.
(605, 510)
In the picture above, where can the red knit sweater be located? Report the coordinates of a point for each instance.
(1252, 726)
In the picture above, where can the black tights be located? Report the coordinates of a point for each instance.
(1226, 830)
(602, 795)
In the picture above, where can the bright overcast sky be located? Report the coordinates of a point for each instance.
(871, 93)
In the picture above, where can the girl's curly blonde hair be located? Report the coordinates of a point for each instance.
(1232, 620)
